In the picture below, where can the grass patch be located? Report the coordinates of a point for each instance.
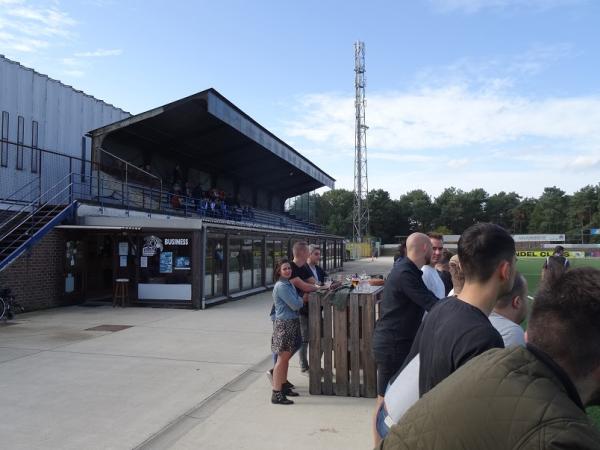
(531, 268)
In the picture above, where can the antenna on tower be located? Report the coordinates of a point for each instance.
(360, 214)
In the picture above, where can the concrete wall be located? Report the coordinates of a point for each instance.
(36, 278)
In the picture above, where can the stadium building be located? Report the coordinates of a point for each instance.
(184, 202)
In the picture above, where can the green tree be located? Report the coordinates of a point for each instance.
(385, 217)
(550, 212)
(522, 215)
(334, 211)
(583, 212)
(458, 210)
(419, 210)
(500, 209)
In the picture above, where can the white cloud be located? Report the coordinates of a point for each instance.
(100, 53)
(431, 138)
(447, 117)
(457, 163)
(27, 28)
(473, 6)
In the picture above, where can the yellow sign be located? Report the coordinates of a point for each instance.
(546, 253)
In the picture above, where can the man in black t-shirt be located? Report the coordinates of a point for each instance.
(457, 329)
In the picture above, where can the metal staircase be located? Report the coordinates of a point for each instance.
(24, 222)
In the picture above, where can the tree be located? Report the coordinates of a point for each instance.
(522, 215)
(500, 209)
(583, 211)
(334, 211)
(386, 219)
(550, 212)
(419, 209)
(458, 210)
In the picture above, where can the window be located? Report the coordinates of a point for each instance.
(83, 154)
(215, 265)
(235, 258)
(20, 139)
(4, 142)
(35, 153)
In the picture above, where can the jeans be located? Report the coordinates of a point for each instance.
(303, 353)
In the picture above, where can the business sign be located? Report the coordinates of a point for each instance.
(595, 231)
(539, 237)
(170, 241)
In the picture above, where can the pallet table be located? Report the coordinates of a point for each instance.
(340, 338)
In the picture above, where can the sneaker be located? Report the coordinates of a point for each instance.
(279, 398)
(287, 385)
(290, 393)
(270, 376)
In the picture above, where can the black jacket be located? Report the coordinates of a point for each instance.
(405, 300)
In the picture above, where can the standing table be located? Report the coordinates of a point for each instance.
(340, 338)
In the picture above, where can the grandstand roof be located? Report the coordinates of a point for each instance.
(208, 128)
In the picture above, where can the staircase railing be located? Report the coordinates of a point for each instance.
(57, 196)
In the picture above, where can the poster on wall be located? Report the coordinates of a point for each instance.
(144, 261)
(166, 262)
(123, 248)
(182, 263)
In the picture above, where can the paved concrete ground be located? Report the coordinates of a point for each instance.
(174, 379)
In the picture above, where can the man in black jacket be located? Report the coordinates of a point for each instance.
(406, 298)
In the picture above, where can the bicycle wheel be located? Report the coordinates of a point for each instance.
(3, 308)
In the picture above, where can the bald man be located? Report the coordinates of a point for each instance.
(406, 298)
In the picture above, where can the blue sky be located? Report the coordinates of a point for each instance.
(498, 94)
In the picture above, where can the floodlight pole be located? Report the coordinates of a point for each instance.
(360, 213)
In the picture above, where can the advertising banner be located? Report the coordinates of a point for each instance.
(546, 253)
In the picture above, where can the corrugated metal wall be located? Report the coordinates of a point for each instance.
(64, 115)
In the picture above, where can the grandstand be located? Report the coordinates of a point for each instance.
(185, 202)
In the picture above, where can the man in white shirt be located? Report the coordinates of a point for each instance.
(510, 311)
(431, 277)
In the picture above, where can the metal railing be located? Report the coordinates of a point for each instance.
(28, 173)
(51, 201)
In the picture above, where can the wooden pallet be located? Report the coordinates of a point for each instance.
(340, 355)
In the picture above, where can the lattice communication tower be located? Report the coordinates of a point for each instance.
(360, 215)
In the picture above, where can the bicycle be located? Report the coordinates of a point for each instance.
(8, 305)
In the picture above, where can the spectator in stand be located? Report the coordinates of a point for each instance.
(176, 197)
(521, 398)
(510, 311)
(458, 278)
(177, 175)
(431, 277)
(286, 332)
(458, 328)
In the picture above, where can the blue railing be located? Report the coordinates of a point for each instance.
(108, 191)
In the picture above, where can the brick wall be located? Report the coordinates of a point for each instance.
(36, 277)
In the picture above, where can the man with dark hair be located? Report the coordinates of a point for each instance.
(522, 398)
(509, 312)
(558, 255)
(458, 328)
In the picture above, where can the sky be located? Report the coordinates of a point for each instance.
(495, 94)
